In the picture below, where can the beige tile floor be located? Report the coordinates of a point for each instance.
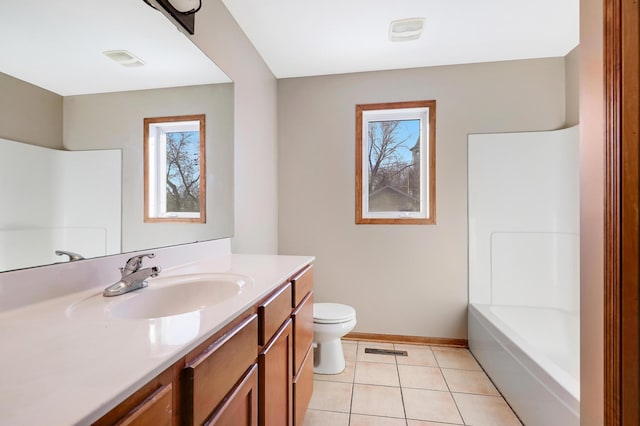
(432, 386)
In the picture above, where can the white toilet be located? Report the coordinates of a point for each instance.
(331, 321)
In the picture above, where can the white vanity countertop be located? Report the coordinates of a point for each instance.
(63, 366)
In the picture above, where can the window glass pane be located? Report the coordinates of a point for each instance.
(394, 165)
(183, 171)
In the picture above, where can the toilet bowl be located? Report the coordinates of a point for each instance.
(331, 321)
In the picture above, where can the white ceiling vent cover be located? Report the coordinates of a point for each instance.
(124, 58)
(406, 29)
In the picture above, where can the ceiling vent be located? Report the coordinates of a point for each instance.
(124, 58)
(406, 29)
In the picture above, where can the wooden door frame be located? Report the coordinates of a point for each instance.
(621, 350)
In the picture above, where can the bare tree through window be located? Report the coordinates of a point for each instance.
(394, 161)
(183, 172)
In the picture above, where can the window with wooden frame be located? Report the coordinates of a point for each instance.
(395, 163)
(174, 169)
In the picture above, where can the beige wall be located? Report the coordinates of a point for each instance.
(115, 121)
(29, 113)
(591, 212)
(256, 192)
(572, 88)
(407, 280)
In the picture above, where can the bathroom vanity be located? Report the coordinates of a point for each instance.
(246, 360)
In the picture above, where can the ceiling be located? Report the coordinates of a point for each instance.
(58, 45)
(304, 38)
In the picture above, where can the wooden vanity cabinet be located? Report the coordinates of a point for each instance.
(256, 370)
(275, 359)
(303, 389)
(302, 317)
(273, 312)
(157, 409)
(286, 360)
(240, 408)
(217, 374)
(302, 284)
(154, 403)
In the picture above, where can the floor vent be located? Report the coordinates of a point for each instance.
(385, 352)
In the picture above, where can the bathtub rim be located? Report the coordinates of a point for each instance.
(554, 379)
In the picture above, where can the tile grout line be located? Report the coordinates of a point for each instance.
(395, 362)
(404, 408)
(496, 387)
(449, 388)
(353, 381)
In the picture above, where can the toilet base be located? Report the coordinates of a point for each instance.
(328, 357)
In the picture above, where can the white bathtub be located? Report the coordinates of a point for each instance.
(533, 357)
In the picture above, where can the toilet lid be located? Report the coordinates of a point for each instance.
(331, 313)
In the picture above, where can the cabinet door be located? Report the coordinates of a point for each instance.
(275, 363)
(240, 407)
(302, 389)
(302, 331)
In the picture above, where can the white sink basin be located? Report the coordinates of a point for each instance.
(166, 296)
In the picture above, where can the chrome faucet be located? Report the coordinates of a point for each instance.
(72, 256)
(133, 278)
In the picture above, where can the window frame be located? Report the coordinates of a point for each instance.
(155, 192)
(400, 111)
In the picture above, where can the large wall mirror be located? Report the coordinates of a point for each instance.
(78, 78)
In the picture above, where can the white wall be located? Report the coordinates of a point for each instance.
(410, 279)
(47, 193)
(524, 219)
(90, 201)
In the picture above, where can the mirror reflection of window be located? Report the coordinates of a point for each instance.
(175, 169)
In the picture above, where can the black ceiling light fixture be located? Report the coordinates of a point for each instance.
(182, 11)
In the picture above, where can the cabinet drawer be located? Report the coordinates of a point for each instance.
(157, 409)
(302, 389)
(153, 403)
(273, 312)
(302, 331)
(302, 285)
(209, 377)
